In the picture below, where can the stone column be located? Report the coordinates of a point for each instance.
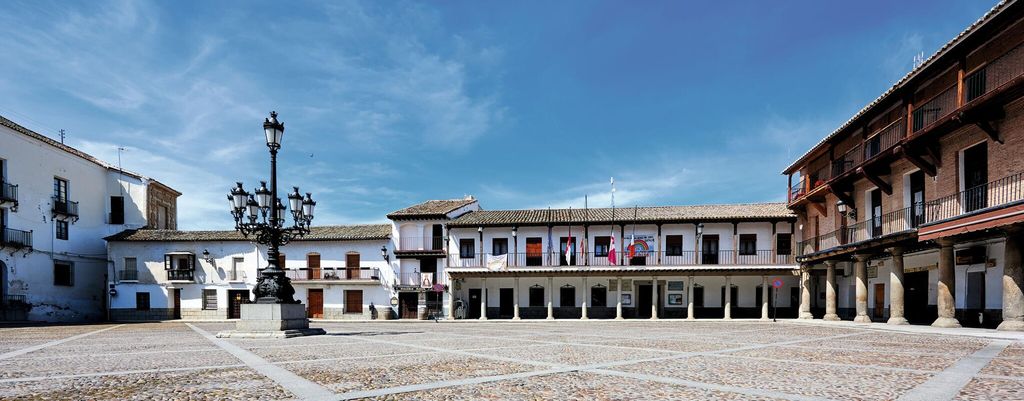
(586, 291)
(765, 289)
(860, 269)
(1013, 282)
(618, 298)
(515, 299)
(654, 298)
(451, 301)
(551, 298)
(830, 291)
(728, 299)
(946, 286)
(689, 300)
(483, 299)
(805, 292)
(896, 300)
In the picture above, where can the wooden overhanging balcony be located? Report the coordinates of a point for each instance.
(854, 236)
(590, 259)
(333, 274)
(977, 99)
(64, 209)
(995, 203)
(181, 275)
(8, 195)
(15, 239)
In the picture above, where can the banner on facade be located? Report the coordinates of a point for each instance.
(499, 262)
(426, 280)
(642, 245)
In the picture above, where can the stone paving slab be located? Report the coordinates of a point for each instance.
(576, 386)
(213, 384)
(980, 389)
(853, 358)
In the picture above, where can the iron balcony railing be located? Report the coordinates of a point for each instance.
(810, 182)
(8, 192)
(416, 279)
(181, 275)
(65, 207)
(895, 222)
(13, 301)
(935, 108)
(128, 275)
(333, 273)
(420, 244)
(16, 239)
(993, 194)
(884, 139)
(648, 258)
(848, 161)
(994, 74)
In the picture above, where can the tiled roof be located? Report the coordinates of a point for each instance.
(317, 233)
(646, 214)
(431, 208)
(1002, 5)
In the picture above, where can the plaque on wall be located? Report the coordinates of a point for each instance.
(872, 271)
(627, 284)
(675, 286)
(675, 299)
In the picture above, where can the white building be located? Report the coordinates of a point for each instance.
(450, 258)
(56, 206)
(337, 272)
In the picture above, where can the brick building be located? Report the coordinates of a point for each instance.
(910, 211)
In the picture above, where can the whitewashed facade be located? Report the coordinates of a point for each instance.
(57, 206)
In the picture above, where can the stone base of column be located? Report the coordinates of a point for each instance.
(691, 318)
(806, 315)
(483, 317)
(1011, 325)
(619, 318)
(946, 322)
(831, 317)
(899, 320)
(764, 319)
(862, 319)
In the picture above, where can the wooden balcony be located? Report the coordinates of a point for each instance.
(641, 259)
(16, 239)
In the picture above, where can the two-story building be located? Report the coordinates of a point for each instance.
(56, 205)
(911, 211)
(337, 272)
(702, 261)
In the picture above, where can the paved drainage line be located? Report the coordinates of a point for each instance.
(301, 387)
(947, 384)
(24, 351)
(118, 373)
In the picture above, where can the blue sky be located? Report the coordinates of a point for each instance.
(522, 104)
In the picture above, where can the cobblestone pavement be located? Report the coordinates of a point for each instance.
(526, 360)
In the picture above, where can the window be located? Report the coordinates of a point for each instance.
(61, 229)
(536, 296)
(162, 218)
(210, 299)
(130, 271)
(354, 301)
(116, 210)
(499, 246)
(180, 266)
(674, 245)
(60, 190)
(748, 244)
(237, 266)
(534, 251)
(63, 274)
(142, 301)
(601, 245)
(784, 244)
(466, 248)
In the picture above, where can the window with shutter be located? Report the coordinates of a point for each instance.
(210, 299)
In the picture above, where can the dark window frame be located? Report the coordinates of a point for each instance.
(673, 245)
(602, 245)
(467, 248)
(207, 305)
(61, 229)
(539, 293)
(142, 300)
(784, 243)
(748, 244)
(70, 276)
(116, 212)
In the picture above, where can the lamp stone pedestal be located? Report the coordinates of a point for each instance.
(272, 321)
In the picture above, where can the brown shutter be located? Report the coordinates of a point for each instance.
(354, 301)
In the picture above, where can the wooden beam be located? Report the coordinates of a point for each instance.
(917, 161)
(820, 206)
(934, 152)
(986, 126)
(875, 179)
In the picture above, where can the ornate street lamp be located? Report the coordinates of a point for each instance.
(262, 215)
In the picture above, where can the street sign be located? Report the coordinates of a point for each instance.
(777, 283)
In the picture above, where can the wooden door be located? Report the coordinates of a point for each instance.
(354, 301)
(506, 302)
(879, 300)
(316, 303)
(408, 304)
(534, 252)
(975, 178)
(876, 213)
(352, 265)
(176, 293)
(475, 295)
(235, 300)
(709, 249)
(313, 264)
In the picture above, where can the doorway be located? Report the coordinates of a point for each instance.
(879, 310)
(975, 178)
(408, 304)
(475, 295)
(534, 252)
(352, 265)
(876, 213)
(235, 300)
(506, 300)
(709, 248)
(915, 298)
(176, 302)
(315, 297)
(599, 296)
(643, 301)
(313, 266)
(974, 302)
